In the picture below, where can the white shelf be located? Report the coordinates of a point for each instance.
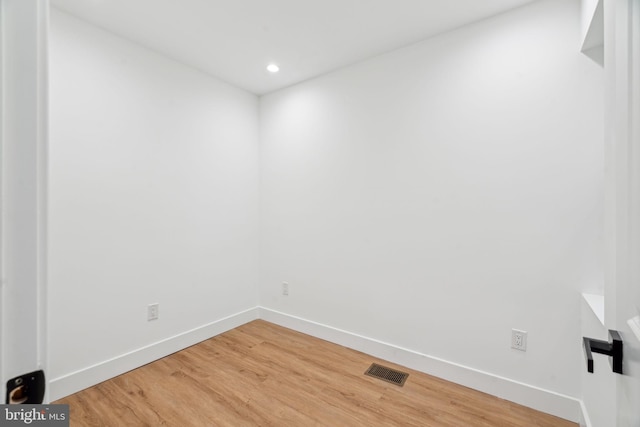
(593, 30)
(596, 302)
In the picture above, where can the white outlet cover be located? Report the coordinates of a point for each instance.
(153, 311)
(519, 339)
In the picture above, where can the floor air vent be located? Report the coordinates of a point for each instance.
(387, 374)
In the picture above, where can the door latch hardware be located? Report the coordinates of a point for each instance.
(27, 389)
(612, 348)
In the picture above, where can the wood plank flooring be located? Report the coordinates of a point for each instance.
(261, 374)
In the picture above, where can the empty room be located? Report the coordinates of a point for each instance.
(336, 213)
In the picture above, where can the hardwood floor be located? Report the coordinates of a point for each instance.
(261, 374)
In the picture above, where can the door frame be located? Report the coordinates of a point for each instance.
(24, 32)
(622, 194)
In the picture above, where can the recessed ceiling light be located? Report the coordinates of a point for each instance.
(273, 68)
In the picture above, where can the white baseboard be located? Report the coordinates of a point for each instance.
(584, 416)
(537, 398)
(546, 401)
(92, 375)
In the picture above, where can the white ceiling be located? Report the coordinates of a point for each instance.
(236, 39)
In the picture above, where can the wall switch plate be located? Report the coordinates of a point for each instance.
(519, 340)
(285, 288)
(153, 311)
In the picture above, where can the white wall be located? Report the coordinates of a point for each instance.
(153, 199)
(435, 197)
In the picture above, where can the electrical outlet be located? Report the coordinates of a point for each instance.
(519, 340)
(153, 311)
(285, 288)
